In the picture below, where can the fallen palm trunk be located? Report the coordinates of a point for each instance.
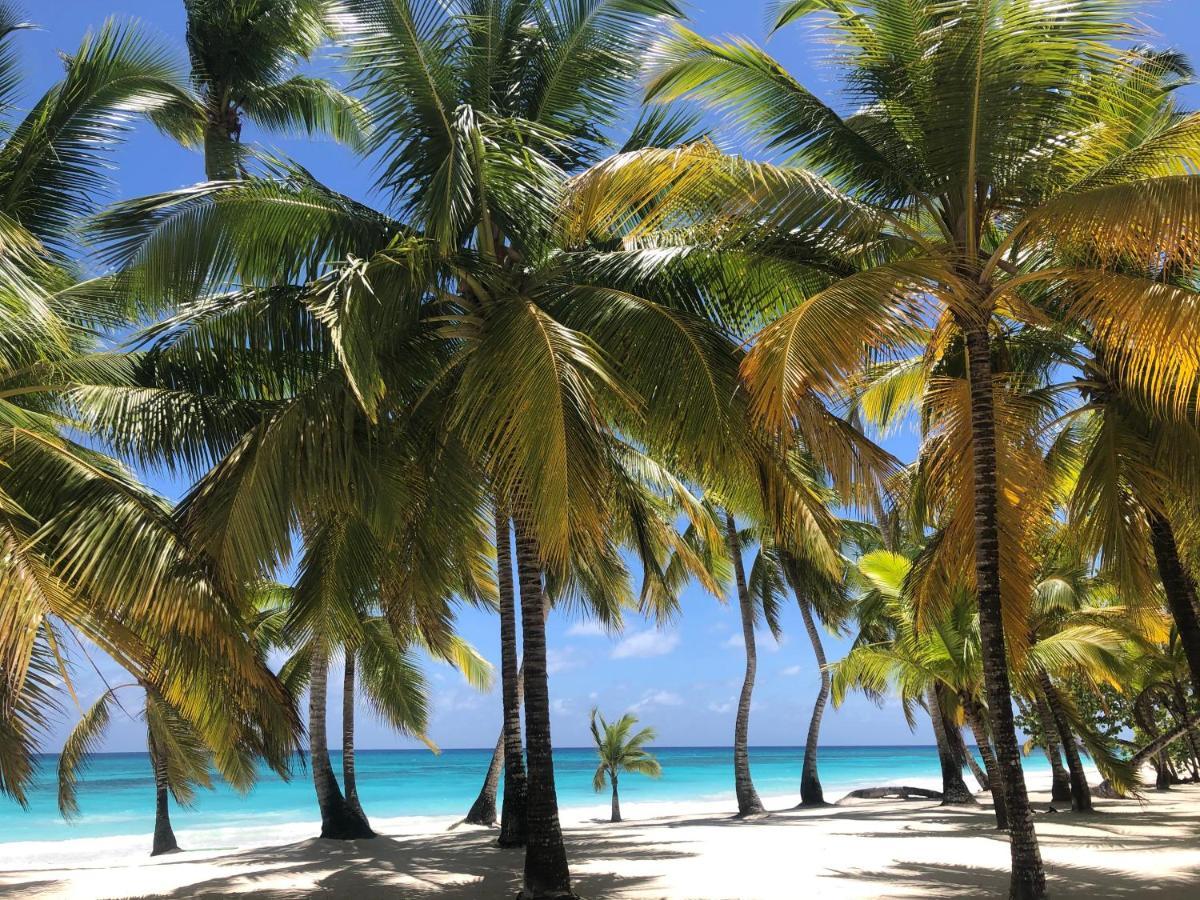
(1160, 743)
(891, 792)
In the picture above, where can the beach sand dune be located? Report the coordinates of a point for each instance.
(1127, 849)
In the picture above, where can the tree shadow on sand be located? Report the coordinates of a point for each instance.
(453, 866)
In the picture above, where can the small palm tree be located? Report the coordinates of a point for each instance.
(620, 752)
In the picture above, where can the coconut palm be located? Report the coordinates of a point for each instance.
(180, 760)
(90, 553)
(985, 171)
(620, 751)
(244, 54)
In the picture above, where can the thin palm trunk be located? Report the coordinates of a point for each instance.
(747, 797)
(164, 835)
(349, 781)
(811, 793)
(616, 801)
(977, 771)
(1060, 781)
(954, 789)
(1081, 795)
(1028, 879)
(339, 820)
(1180, 591)
(1182, 715)
(483, 810)
(975, 718)
(546, 871)
(513, 812)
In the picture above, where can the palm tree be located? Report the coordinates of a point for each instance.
(747, 797)
(243, 55)
(90, 553)
(928, 666)
(180, 760)
(332, 607)
(970, 208)
(827, 599)
(620, 751)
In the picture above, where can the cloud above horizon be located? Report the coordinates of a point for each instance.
(647, 643)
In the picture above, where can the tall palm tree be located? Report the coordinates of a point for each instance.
(333, 607)
(619, 751)
(955, 156)
(89, 552)
(244, 54)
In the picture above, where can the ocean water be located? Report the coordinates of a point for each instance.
(116, 796)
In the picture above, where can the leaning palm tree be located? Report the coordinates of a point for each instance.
(619, 751)
(180, 759)
(1001, 164)
(244, 54)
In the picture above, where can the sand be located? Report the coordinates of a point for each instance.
(1127, 849)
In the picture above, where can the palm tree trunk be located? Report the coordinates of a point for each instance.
(1180, 590)
(811, 793)
(1181, 703)
(483, 810)
(349, 782)
(1060, 781)
(513, 824)
(616, 801)
(747, 797)
(954, 789)
(164, 835)
(975, 718)
(546, 871)
(339, 820)
(977, 771)
(1028, 879)
(1081, 795)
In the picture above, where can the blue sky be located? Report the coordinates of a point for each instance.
(684, 679)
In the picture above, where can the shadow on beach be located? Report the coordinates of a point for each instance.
(661, 857)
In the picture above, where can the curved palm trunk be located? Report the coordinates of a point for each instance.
(1081, 795)
(616, 801)
(546, 871)
(954, 789)
(1028, 880)
(977, 771)
(513, 824)
(1180, 590)
(349, 781)
(747, 797)
(483, 810)
(811, 793)
(975, 718)
(339, 820)
(1060, 783)
(164, 835)
(1182, 714)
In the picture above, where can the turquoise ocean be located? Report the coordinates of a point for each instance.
(116, 796)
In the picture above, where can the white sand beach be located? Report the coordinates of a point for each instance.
(1126, 849)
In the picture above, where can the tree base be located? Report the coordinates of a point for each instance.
(812, 804)
(163, 851)
(570, 895)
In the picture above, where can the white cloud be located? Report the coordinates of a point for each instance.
(594, 695)
(658, 698)
(560, 706)
(790, 670)
(561, 660)
(720, 708)
(763, 640)
(646, 643)
(590, 628)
